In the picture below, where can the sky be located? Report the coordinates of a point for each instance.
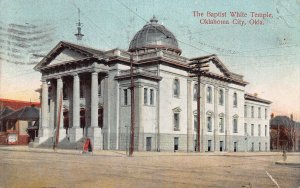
(267, 55)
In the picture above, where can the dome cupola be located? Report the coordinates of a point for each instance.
(154, 36)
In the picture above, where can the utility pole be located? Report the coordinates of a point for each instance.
(198, 67)
(132, 108)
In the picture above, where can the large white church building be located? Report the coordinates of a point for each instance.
(87, 93)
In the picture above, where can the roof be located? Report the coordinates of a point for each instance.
(283, 120)
(256, 99)
(17, 104)
(6, 110)
(26, 113)
(86, 51)
(154, 35)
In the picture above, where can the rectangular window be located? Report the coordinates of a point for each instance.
(266, 146)
(252, 111)
(176, 122)
(245, 110)
(259, 146)
(235, 100)
(245, 128)
(125, 97)
(195, 122)
(145, 95)
(266, 113)
(221, 97)
(259, 112)
(195, 92)
(209, 94)
(209, 124)
(252, 146)
(235, 125)
(265, 130)
(252, 130)
(259, 130)
(151, 97)
(99, 89)
(221, 125)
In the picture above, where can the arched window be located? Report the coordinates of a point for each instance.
(209, 94)
(176, 88)
(209, 123)
(235, 125)
(195, 92)
(221, 97)
(235, 100)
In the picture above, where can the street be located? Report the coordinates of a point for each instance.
(114, 169)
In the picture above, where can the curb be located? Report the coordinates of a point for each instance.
(288, 163)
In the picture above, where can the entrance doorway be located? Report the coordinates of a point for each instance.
(209, 145)
(148, 144)
(176, 143)
(235, 146)
(221, 145)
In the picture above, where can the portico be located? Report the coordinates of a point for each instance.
(71, 100)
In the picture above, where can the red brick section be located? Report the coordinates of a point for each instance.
(3, 138)
(17, 104)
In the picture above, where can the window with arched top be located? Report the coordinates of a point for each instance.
(235, 100)
(209, 94)
(235, 125)
(176, 88)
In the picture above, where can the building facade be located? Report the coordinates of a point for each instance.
(86, 93)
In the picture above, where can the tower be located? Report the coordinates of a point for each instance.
(79, 35)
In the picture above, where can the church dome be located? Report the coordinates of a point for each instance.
(154, 36)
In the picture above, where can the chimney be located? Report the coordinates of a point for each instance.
(291, 116)
(272, 115)
(255, 94)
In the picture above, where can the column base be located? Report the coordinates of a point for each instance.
(75, 134)
(44, 134)
(95, 134)
(62, 134)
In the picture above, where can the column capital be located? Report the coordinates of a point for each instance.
(95, 73)
(75, 74)
(44, 79)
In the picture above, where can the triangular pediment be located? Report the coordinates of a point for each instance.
(66, 55)
(66, 52)
(215, 70)
(216, 66)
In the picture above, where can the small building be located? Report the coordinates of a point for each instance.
(284, 133)
(15, 118)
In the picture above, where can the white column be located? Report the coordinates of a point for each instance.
(203, 130)
(94, 100)
(76, 102)
(139, 129)
(94, 132)
(44, 104)
(216, 119)
(190, 137)
(59, 109)
(44, 130)
(75, 131)
(227, 131)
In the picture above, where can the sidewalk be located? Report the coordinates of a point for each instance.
(292, 160)
(115, 153)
